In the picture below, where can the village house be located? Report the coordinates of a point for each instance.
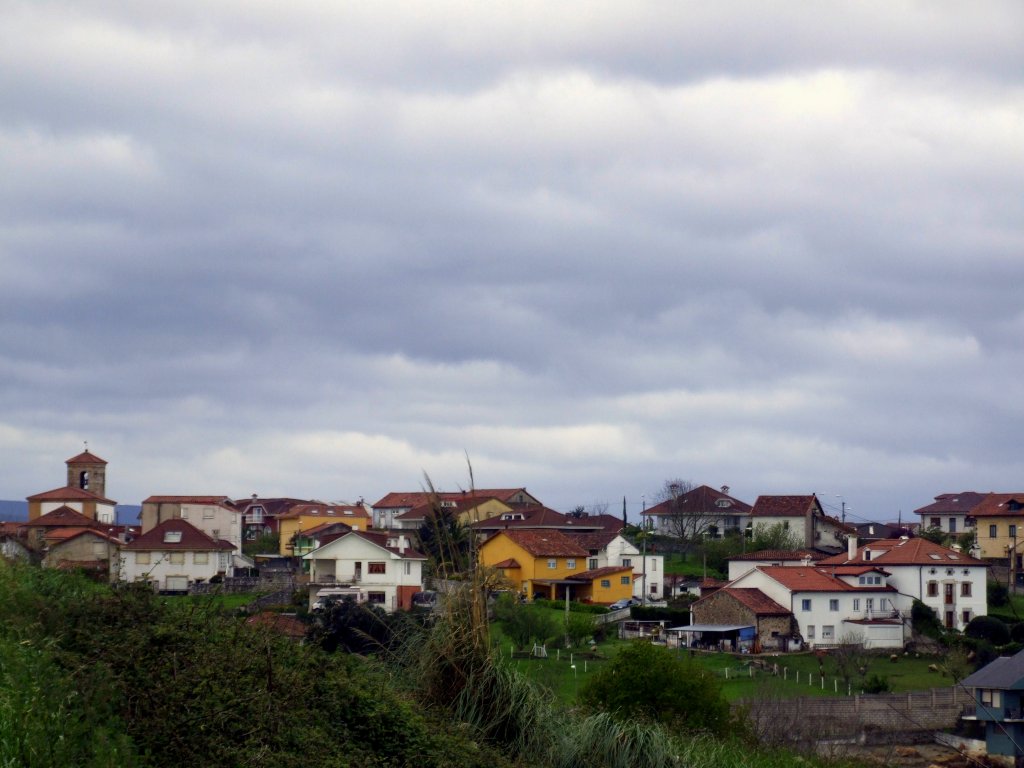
(396, 503)
(803, 516)
(260, 516)
(304, 517)
(174, 555)
(550, 564)
(382, 565)
(999, 704)
(740, 564)
(698, 512)
(947, 580)
(950, 512)
(609, 548)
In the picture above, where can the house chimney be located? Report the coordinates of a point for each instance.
(851, 547)
(725, 489)
(956, 547)
(402, 543)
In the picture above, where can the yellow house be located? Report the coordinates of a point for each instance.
(467, 510)
(302, 517)
(999, 525)
(546, 563)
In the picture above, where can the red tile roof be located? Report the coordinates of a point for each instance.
(509, 563)
(69, 493)
(62, 517)
(85, 457)
(780, 554)
(222, 501)
(544, 543)
(191, 538)
(754, 599)
(700, 501)
(66, 534)
(600, 573)
(782, 506)
(886, 552)
(593, 541)
(535, 516)
(329, 511)
(327, 527)
(799, 578)
(999, 505)
(410, 499)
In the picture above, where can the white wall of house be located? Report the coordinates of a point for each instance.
(721, 523)
(821, 619)
(958, 589)
(949, 522)
(157, 566)
(619, 551)
(105, 513)
(350, 560)
(216, 521)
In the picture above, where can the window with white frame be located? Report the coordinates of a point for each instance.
(810, 631)
(624, 579)
(627, 562)
(142, 558)
(201, 558)
(833, 604)
(805, 604)
(828, 632)
(552, 563)
(965, 589)
(856, 603)
(592, 564)
(207, 513)
(570, 564)
(407, 566)
(177, 558)
(606, 583)
(869, 603)
(654, 564)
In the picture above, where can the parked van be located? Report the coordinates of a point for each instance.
(336, 593)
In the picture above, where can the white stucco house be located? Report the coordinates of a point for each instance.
(804, 517)
(740, 564)
(610, 548)
(949, 581)
(175, 555)
(384, 566)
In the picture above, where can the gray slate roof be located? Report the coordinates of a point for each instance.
(1005, 673)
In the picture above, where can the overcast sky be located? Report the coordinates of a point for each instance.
(317, 249)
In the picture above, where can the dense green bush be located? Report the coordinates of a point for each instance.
(574, 607)
(988, 628)
(649, 682)
(998, 594)
(876, 684)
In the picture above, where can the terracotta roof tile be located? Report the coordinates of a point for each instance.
(222, 501)
(600, 573)
(999, 505)
(754, 599)
(339, 512)
(887, 552)
(545, 543)
(798, 578)
(780, 554)
(191, 538)
(700, 501)
(782, 506)
(509, 563)
(85, 457)
(62, 517)
(69, 493)
(952, 503)
(398, 499)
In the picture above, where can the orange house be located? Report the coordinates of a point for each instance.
(303, 517)
(548, 564)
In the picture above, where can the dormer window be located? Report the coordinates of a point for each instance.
(724, 503)
(172, 537)
(867, 554)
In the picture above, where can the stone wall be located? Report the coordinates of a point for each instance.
(842, 717)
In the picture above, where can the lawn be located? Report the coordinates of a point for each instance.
(227, 601)
(799, 674)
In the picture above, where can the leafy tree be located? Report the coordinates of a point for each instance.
(925, 621)
(526, 624)
(648, 682)
(934, 535)
(776, 536)
(345, 625)
(579, 627)
(267, 543)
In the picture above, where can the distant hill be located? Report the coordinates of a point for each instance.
(127, 514)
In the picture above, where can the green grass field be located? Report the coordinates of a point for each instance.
(799, 674)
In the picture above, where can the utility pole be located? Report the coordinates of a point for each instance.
(643, 534)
